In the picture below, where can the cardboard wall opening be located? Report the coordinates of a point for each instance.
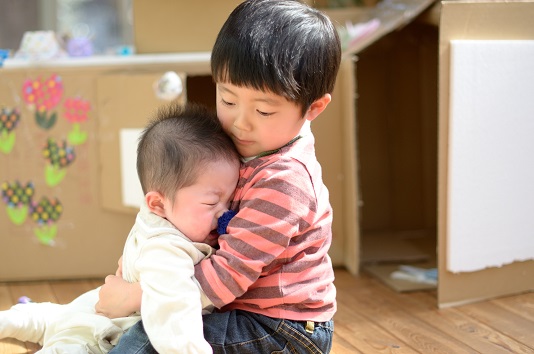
(397, 147)
(201, 90)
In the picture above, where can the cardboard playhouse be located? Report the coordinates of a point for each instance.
(442, 126)
(387, 144)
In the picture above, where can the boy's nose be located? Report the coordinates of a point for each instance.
(241, 122)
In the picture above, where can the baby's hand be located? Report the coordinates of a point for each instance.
(119, 269)
(118, 298)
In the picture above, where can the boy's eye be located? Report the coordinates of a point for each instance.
(226, 103)
(265, 114)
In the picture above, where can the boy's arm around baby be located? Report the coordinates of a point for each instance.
(276, 249)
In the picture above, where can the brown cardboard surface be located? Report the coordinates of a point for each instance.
(91, 229)
(88, 241)
(335, 143)
(125, 100)
(475, 20)
(168, 26)
(397, 135)
(388, 247)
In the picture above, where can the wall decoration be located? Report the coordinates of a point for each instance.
(46, 214)
(76, 110)
(9, 119)
(169, 87)
(18, 199)
(43, 97)
(40, 45)
(59, 155)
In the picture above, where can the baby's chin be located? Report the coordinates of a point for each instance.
(212, 238)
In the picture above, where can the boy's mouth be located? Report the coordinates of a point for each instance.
(242, 142)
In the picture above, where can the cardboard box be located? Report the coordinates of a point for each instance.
(174, 26)
(63, 214)
(466, 20)
(402, 143)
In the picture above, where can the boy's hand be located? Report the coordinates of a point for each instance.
(118, 298)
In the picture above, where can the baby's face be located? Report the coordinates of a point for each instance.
(197, 207)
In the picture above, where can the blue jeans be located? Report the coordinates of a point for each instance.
(244, 332)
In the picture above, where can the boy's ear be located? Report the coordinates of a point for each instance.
(317, 107)
(155, 202)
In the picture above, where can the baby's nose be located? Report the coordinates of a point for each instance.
(221, 212)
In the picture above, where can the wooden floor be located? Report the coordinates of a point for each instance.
(371, 319)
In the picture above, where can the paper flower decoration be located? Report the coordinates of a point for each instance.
(9, 119)
(46, 214)
(59, 155)
(76, 110)
(43, 97)
(18, 200)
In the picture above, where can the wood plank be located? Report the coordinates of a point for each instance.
(5, 298)
(66, 291)
(13, 346)
(359, 331)
(341, 346)
(37, 291)
(522, 305)
(373, 303)
(503, 321)
(455, 323)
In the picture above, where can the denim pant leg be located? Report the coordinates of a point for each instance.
(241, 332)
(238, 332)
(134, 341)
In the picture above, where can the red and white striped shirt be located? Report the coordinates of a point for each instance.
(274, 259)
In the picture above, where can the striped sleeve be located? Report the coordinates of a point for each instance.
(276, 203)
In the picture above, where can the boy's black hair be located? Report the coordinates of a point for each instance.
(177, 144)
(281, 46)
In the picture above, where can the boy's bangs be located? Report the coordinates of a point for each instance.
(244, 73)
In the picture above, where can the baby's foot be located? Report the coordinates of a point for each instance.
(26, 322)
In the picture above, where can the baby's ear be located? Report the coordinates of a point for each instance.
(155, 203)
(318, 106)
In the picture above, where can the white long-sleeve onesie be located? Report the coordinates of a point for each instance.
(162, 259)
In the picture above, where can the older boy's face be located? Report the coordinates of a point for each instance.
(257, 121)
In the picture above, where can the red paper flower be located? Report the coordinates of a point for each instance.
(76, 109)
(43, 95)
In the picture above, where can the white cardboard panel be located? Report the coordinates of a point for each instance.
(491, 154)
(132, 193)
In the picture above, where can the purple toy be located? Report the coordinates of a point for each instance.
(24, 300)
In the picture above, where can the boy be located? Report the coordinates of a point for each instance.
(274, 64)
(188, 169)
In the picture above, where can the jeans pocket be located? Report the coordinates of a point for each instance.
(286, 350)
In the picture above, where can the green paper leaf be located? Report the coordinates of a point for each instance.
(17, 214)
(46, 234)
(53, 175)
